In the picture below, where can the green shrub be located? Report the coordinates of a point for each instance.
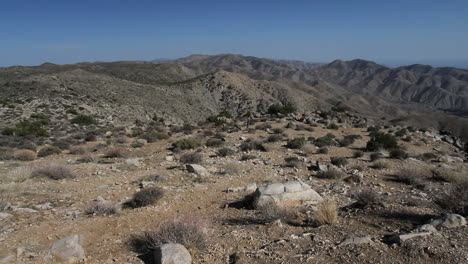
(187, 143)
(296, 143)
(83, 120)
(381, 141)
(48, 150)
(325, 141)
(276, 109)
(28, 128)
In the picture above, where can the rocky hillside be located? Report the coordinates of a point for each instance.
(192, 88)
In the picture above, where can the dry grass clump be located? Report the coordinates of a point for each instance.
(410, 176)
(192, 232)
(224, 152)
(54, 172)
(327, 212)
(123, 140)
(398, 154)
(187, 143)
(375, 156)
(358, 154)
(4, 200)
(271, 212)
(445, 175)
(192, 158)
(101, 208)
(331, 174)
(19, 174)
(146, 196)
(117, 152)
(232, 168)
(454, 199)
(24, 155)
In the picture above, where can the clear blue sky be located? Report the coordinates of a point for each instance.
(391, 32)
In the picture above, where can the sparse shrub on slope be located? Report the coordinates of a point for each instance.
(276, 109)
(296, 143)
(367, 198)
(380, 141)
(224, 152)
(454, 199)
(146, 196)
(24, 155)
(48, 150)
(331, 174)
(192, 158)
(252, 145)
(339, 161)
(398, 154)
(53, 171)
(271, 212)
(117, 152)
(187, 143)
(83, 120)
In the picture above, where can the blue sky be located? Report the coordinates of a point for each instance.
(389, 32)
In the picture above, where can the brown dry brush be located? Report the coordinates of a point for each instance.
(194, 232)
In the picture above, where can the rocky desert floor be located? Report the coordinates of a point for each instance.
(41, 210)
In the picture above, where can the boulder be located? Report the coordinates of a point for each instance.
(449, 221)
(405, 237)
(293, 192)
(172, 254)
(197, 169)
(68, 249)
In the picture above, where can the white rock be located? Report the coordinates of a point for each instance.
(172, 254)
(197, 169)
(449, 221)
(5, 215)
(356, 240)
(286, 193)
(68, 249)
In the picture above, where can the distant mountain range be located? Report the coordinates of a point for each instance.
(194, 87)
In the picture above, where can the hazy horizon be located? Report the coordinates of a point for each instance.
(391, 33)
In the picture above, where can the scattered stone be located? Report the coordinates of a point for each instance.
(197, 169)
(68, 249)
(5, 215)
(172, 254)
(450, 159)
(6, 259)
(292, 192)
(426, 228)
(449, 221)
(132, 162)
(356, 240)
(25, 210)
(403, 238)
(251, 187)
(45, 206)
(169, 158)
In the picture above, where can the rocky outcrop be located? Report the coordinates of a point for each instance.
(289, 193)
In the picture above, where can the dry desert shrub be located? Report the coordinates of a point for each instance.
(410, 176)
(327, 212)
(224, 152)
(338, 161)
(101, 208)
(19, 174)
(4, 200)
(193, 232)
(24, 155)
(380, 165)
(454, 199)
(368, 197)
(117, 152)
(87, 158)
(146, 196)
(446, 175)
(271, 212)
(192, 158)
(48, 150)
(53, 171)
(331, 173)
(78, 150)
(232, 168)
